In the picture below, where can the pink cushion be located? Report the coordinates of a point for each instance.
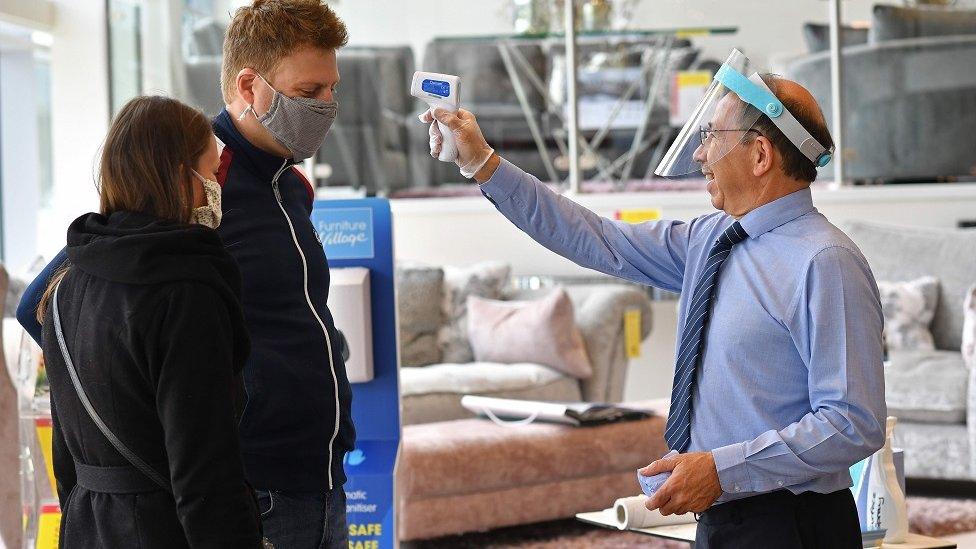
(540, 332)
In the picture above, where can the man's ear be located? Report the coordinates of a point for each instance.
(245, 85)
(763, 154)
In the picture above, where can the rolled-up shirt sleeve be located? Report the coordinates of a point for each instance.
(651, 253)
(836, 325)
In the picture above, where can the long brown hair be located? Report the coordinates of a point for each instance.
(145, 164)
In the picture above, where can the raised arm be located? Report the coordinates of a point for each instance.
(648, 253)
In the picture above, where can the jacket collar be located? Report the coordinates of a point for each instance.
(264, 164)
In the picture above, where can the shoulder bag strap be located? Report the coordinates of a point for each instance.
(128, 454)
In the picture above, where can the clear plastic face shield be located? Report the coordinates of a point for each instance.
(723, 120)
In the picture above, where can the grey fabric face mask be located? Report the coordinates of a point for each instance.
(299, 124)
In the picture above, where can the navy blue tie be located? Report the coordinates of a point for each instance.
(678, 431)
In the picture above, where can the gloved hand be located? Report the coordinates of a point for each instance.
(473, 150)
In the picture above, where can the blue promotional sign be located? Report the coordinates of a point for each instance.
(359, 233)
(345, 233)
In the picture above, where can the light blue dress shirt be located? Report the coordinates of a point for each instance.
(790, 390)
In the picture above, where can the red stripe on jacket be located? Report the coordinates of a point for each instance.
(225, 157)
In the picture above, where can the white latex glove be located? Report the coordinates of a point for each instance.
(473, 150)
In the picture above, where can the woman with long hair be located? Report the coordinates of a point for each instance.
(144, 341)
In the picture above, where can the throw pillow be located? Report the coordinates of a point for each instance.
(420, 290)
(486, 280)
(969, 328)
(897, 23)
(908, 310)
(539, 332)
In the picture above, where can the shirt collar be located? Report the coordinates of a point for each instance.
(778, 212)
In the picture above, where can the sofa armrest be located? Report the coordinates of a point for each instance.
(600, 312)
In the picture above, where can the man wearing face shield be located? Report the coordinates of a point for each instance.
(778, 385)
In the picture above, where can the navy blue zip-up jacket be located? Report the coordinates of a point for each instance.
(296, 426)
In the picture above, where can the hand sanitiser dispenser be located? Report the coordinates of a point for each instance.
(350, 305)
(439, 91)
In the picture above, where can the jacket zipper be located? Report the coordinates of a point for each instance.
(328, 340)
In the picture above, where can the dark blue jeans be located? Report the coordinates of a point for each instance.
(304, 520)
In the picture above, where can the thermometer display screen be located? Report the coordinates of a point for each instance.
(436, 87)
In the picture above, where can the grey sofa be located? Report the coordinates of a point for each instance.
(932, 393)
(433, 392)
(369, 146)
(909, 95)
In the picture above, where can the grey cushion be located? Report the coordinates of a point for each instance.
(817, 36)
(434, 393)
(487, 279)
(927, 386)
(905, 253)
(420, 291)
(908, 308)
(896, 23)
(934, 451)
(475, 378)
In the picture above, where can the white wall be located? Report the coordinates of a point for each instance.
(79, 114)
(18, 149)
(766, 27)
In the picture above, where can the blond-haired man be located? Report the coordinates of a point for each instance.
(278, 80)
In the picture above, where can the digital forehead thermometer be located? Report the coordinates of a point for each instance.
(439, 91)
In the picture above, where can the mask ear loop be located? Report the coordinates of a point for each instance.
(250, 108)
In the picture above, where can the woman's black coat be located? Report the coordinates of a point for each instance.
(153, 324)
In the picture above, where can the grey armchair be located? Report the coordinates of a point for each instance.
(910, 106)
(369, 145)
(932, 393)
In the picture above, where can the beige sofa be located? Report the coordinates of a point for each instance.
(433, 392)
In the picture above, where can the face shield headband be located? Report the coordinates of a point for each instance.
(755, 92)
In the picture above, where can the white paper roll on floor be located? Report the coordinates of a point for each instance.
(631, 513)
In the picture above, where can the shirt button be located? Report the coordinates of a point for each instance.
(737, 489)
(779, 483)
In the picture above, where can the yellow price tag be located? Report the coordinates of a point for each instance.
(639, 215)
(45, 435)
(49, 527)
(690, 33)
(699, 79)
(632, 332)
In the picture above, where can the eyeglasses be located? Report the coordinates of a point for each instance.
(705, 133)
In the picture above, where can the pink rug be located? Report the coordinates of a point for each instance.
(928, 516)
(941, 517)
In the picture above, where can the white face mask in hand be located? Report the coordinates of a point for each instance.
(209, 215)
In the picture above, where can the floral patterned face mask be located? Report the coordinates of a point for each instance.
(209, 215)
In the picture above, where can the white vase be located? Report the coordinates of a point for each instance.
(885, 499)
